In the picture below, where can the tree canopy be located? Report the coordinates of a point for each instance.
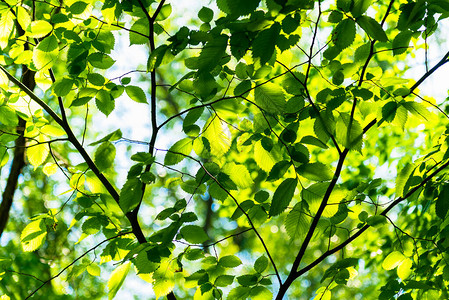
(267, 149)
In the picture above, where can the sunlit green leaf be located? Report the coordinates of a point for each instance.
(282, 196)
(117, 278)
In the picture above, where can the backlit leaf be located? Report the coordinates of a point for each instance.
(296, 223)
(229, 261)
(344, 33)
(392, 260)
(270, 97)
(117, 278)
(218, 135)
(33, 235)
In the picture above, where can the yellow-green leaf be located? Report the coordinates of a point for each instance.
(39, 29)
(263, 158)
(44, 59)
(37, 152)
(405, 268)
(6, 28)
(33, 235)
(393, 260)
(218, 135)
(93, 269)
(117, 278)
(239, 175)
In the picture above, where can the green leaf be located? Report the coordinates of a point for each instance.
(315, 171)
(178, 151)
(100, 60)
(344, 33)
(136, 93)
(48, 44)
(392, 260)
(117, 278)
(261, 293)
(377, 220)
(247, 280)
(401, 42)
(8, 116)
(261, 264)
(349, 133)
(296, 223)
(270, 97)
(237, 8)
(372, 28)
(264, 159)
(240, 292)
(229, 261)
(33, 235)
(194, 234)
(130, 194)
(345, 5)
(37, 152)
(442, 203)
(263, 45)
(243, 88)
(44, 59)
(113, 136)
(224, 280)
(141, 26)
(282, 196)
(210, 55)
(360, 7)
(417, 109)
(63, 87)
(278, 170)
(402, 177)
(311, 140)
(104, 156)
(239, 175)
(104, 102)
(206, 14)
(78, 7)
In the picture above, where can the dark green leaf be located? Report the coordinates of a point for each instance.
(247, 280)
(442, 203)
(193, 234)
(372, 28)
(315, 171)
(344, 33)
(206, 14)
(100, 60)
(263, 46)
(282, 196)
(261, 264)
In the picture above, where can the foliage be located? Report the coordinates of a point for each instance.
(291, 152)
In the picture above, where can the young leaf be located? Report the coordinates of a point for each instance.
(39, 29)
(117, 278)
(263, 158)
(282, 196)
(178, 151)
(372, 28)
